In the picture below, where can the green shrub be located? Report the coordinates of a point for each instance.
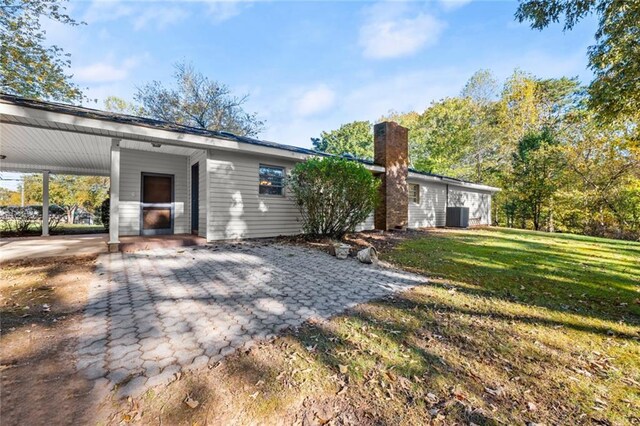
(333, 194)
(104, 213)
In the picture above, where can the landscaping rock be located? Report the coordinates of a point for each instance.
(368, 255)
(341, 250)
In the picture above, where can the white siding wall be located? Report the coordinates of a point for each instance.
(235, 207)
(201, 157)
(432, 209)
(132, 164)
(367, 225)
(479, 203)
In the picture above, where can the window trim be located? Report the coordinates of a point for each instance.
(284, 175)
(415, 200)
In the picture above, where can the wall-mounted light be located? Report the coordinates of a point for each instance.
(2, 157)
(156, 145)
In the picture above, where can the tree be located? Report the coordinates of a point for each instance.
(119, 105)
(334, 195)
(197, 101)
(603, 178)
(442, 137)
(69, 192)
(537, 164)
(481, 90)
(7, 196)
(28, 67)
(354, 138)
(615, 90)
(529, 105)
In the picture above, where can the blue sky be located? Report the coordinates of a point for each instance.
(311, 66)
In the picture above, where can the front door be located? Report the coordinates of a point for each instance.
(157, 212)
(195, 194)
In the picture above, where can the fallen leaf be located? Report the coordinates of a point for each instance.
(191, 403)
(531, 406)
(494, 392)
(343, 369)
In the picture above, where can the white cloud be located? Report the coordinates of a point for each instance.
(104, 11)
(106, 71)
(222, 11)
(389, 31)
(315, 101)
(152, 14)
(449, 5)
(159, 17)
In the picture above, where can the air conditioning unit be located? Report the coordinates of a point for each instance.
(458, 217)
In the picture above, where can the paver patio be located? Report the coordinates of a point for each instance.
(152, 314)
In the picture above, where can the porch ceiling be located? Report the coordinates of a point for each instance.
(31, 148)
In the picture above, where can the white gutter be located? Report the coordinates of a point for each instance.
(453, 182)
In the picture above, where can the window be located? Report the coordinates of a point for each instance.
(414, 193)
(271, 180)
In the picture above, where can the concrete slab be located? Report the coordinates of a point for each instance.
(12, 249)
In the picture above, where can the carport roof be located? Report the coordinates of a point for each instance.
(85, 112)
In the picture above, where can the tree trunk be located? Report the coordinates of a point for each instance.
(536, 218)
(70, 214)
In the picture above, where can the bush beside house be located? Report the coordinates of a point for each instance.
(334, 195)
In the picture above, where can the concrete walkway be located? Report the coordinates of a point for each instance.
(12, 249)
(152, 314)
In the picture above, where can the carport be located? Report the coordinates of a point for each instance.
(49, 138)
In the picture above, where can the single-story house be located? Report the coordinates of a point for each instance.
(172, 179)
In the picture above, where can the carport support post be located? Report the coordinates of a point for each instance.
(45, 203)
(114, 196)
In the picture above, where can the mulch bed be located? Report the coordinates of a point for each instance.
(382, 241)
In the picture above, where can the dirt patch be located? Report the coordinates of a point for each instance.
(41, 305)
(275, 383)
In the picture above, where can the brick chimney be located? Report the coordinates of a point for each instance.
(391, 151)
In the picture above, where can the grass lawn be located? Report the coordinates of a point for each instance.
(61, 229)
(515, 328)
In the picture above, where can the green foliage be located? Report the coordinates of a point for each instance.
(504, 135)
(537, 165)
(443, 137)
(615, 90)
(121, 106)
(20, 220)
(333, 194)
(68, 192)
(28, 67)
(354, 138)
(105, 213)
(197, 101)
